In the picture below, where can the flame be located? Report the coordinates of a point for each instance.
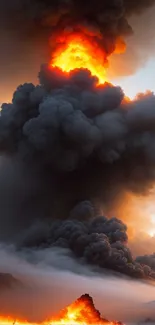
(80, 312)
(76, 51)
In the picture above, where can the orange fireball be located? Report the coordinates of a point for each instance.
(76, 51)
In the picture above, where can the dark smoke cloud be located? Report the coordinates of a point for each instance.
(67, 121)
(61, 9)
(147, 260)
(74, 142)
(110, 18)
(96, 241)
(67, 141)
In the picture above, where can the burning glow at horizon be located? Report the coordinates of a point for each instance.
(76, 51)
(80, 312)
(151, 232)
(138, 213)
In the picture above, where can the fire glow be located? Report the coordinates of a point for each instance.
(80, 312)
(77, 52)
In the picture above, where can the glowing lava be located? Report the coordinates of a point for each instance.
(76, 52)
(80, 312)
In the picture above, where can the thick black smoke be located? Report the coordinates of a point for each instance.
(89, 136)
(76, 142)
(105, 21)
(147, 260)
(95, 240)
(110, 18)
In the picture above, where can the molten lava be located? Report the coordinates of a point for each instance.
(80, 312)
(76, 51)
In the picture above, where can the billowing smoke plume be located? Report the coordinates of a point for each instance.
(109, 18)
(76, 142)
(26, 27)
(147, 260)
(99, 242)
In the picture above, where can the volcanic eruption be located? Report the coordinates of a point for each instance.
(74, 144)
(75, 138)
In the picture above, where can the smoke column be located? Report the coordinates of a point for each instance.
(74, 146)
(69, 151)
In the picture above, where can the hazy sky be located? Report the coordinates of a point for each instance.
(140, 82)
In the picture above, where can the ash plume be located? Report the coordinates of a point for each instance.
(75, 142)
